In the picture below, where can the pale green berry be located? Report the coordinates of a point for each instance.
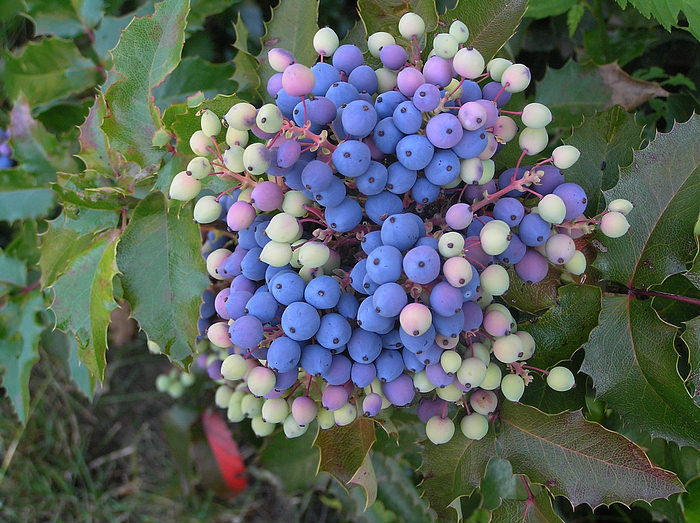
(472, 372)
(528, 344)
(492, 380)
(508, 349)
(450, 393)
(251, 406)
(294, 202)
(459, 32)
(496, 67)
(422, 383)
(313, 254)
(512, 387)
(187, 379)
(451, 244)
(276, 254)
(292, 429)
(450, 361)
(235, 412)
(454, 89)
(234, 367)
(468, 63)
(176, 389)
(210, 123)
(577, 264)
(207, 209)
(309, 273)
(217, 333)
(560, 248)
(565, 156)
(222, 396)
(377, 41)
(439, 430)
(233, 159)
(483, 401)
(489, 171)
(282, 227)
(536, 115)
(261, 381)
(533, 141)
(474, 426)
(275, 410)
(241, 116)
(214, 260)
(494, 237)
(552, 209)
(482, 352)
(162, 382)
(560, 379)
(445, 45)
(260, 427)
(325, 41)
(516, 78)
(236, 137)
(325, 418)
(471, 170)
(201, 144)
(495, 280)
(200, 167)
(256, 158)
(269, 119)
(386, 79)
(621, 206)
(411, 25)
(184, 187)
(345, 415)
(614, 224)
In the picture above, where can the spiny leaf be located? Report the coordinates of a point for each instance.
(94, 145)
(631, 358)
(536, 510)
(498, 483)
(529, 297)
(397, 491)
(148, 50)
(343, 449)
(20, 198)
(292, 27)
(606, 141)
(20, 330)
(163, 274)
(491, 24)
(367, 479)
(663, 182)
(66, 18)
(564, 328)
(691, 337)
(580, 459)
(247, 67)
(667, 11)
(48, 70)
(454, 469)
(59, 247)
(84, 298)
(110, 30)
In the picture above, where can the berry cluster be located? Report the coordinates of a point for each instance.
(370, 236)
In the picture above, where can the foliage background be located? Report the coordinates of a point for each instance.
(90, 146)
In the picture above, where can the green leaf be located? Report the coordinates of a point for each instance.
(110, 30)
(247, 67)
(606, 141)
(148, 50)
(491, 24)
(84, 298)
(20, 198)
(572, 92)
(367, 479)
(48, 70)
(38, 152)
(663, 182)
(186, 123)
(547, 8)
(12, 271)
(293, 461)
(192, 75)
(691, 500)
(532, 297)
(631, 358)
(536, 510)
(498, 483)
(691, 337)
(59, 246)
(573, 18)
(580, 459)
(20, 330)
(564, 328)
(292, 27)
(343, 449)
(397, 491)
(201, 9)
(667, 11)
(94, 145)
(382, 15)
(454, 469)
(66, 18)
(163, 274)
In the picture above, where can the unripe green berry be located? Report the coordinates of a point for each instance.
(207, 209)
(162, 382)
(222, 396)
(292, 429)
(450, 393)
(345, 415)
(236, 137)
(474, 426)
(260, 427)
(294, 202)
(269, 118)
(577, 264)
(411, 25)
(621, 206)
(560, 379)
(276, 254)
(241, 116)
(536, 116)
(472, 372)
(492, 380)
(325, 41)
(565, 156)
(386, 79)
(439, 430)
(459, 31)
(496, 67)
(450, 361)
(184, 187)
(275, 410)
(445, 45)
(495, 280)
(234, 367)
(508, 349)
(201, 144)
(451, 244)
(210, 123)
(533, 141)
(251, 406)
(200, 167)
(552, 209)
(512, 387)
(614, 224)
(377, 41)
(516, 78)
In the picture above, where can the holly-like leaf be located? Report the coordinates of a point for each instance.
(293, 461)
(380, 15)
(247, 67)
(547, 8)
(38, 152)
(343, 449)
(667, 11)
(564, 328)
(66, 18)
(192, 75)
(529, 297)
(491, 24)
(498, 483)
(94, 145)
(631, 358)
(148, 50)
(108, 33)
(367, 479)
(59, 246)
(663, 182)
(292, 27)
(537, 509)
(691, 337)
(48, 70)
(201, 9)
(579, 459)
(606, 141)
(84, 298)
(20, 198)
(163, 274)
(397, 491)
(538, 394)
(454, 469)
(20, 331)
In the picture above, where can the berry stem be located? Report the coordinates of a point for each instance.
(529, 177)
(518, 113)
(676, 297)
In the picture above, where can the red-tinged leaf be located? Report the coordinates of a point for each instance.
(225, 451)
